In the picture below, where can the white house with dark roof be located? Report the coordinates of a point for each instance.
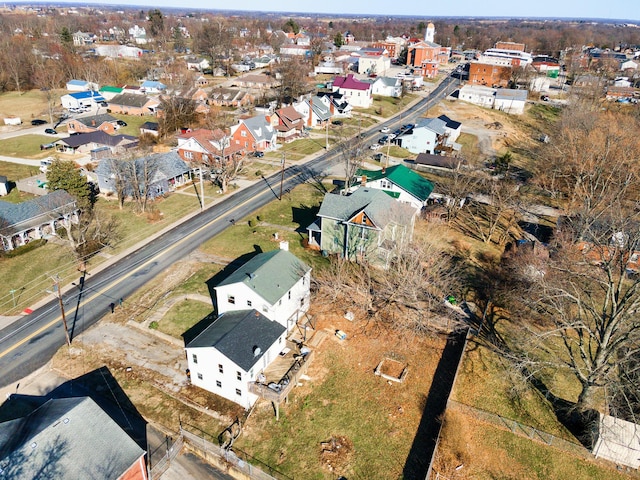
(257, 305)
(232, 351)
(316, 111)
(36, 218)
(424, 137)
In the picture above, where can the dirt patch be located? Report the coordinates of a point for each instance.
(336, 453)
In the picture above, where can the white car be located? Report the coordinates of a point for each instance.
(385, 130)
(375, 146)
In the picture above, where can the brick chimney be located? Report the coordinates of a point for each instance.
(363, 180)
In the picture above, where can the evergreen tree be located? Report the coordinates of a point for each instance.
(64, 175)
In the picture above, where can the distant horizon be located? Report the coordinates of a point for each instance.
(588, 10)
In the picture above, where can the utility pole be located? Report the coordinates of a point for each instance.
(282, 177)
(327, 137)
(201, 190)
(56, 291)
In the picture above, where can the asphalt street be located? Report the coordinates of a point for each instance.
(30, 342)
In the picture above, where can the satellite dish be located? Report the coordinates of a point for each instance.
(256, 350)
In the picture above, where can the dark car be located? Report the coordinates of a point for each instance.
(383, 140)
(38, 121)
(50, 131)
(337, 122)
(121, 123)
(258, 154)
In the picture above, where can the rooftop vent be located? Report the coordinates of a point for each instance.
(256, 351)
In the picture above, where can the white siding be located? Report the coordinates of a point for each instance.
(207, 363)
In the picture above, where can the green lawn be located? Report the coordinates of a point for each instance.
(26, 146)
(388, 106)
(16, 171)
(182, 316)
(287, 218)
(299, 149)
(133, 123)
(28, 105)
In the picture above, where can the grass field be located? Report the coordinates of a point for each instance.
(16, 171)
(182, 316)
(27, 146)
(388, 106)
(28, 105)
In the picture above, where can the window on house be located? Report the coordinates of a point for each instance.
(194, 357)
(248, 303)
(243, 133)
(231, 299)
(289, 295)
(199, 376)
(218, 384)
(220, 368)
(302, 302)
(188, 155)
(239, 375)
(238, 392)
(246, 144)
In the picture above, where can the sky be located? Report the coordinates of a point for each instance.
(612, 9)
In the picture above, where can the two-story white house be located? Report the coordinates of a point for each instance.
(232, 351)
(275, 283)
(356, 92)
(424, 137)
(257, 306)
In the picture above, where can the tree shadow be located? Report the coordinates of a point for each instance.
(304, 216)
(228, 270)
(426, 439)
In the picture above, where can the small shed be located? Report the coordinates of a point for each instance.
(617, 440)
(12, 120)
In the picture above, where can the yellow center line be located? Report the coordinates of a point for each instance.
(127, 275)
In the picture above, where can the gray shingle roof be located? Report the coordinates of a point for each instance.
(167, 165)
(66, 438)
(15, 217)
(270, 274)
(130, 100)
(259, 127)
(99, 137)
(434, 124)
(377, 205)
(96, 120)
(237, 334)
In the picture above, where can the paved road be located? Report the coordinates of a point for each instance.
(30, 342)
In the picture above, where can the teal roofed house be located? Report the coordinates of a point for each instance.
(367, 225)
(397, 181)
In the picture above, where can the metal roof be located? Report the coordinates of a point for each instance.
(405, 178)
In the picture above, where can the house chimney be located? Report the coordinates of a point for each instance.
(93, 123)
(284, 245)
(384, 170)
(363, 180)
(309, 119)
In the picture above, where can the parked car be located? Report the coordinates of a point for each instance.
(544, 98)
(50, 131)
(121, 123)
(375, 146)
(385, 130)
(258, 154)
(337, 122)
(383, 140)
(38, 121)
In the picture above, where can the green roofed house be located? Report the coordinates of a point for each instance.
(367, 225)
(108, 91)
(400, 182)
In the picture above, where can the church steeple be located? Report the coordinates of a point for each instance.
(430, 33)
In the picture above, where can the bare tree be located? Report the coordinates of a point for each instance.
(406, 295)
(492, 212)
(177, 112)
